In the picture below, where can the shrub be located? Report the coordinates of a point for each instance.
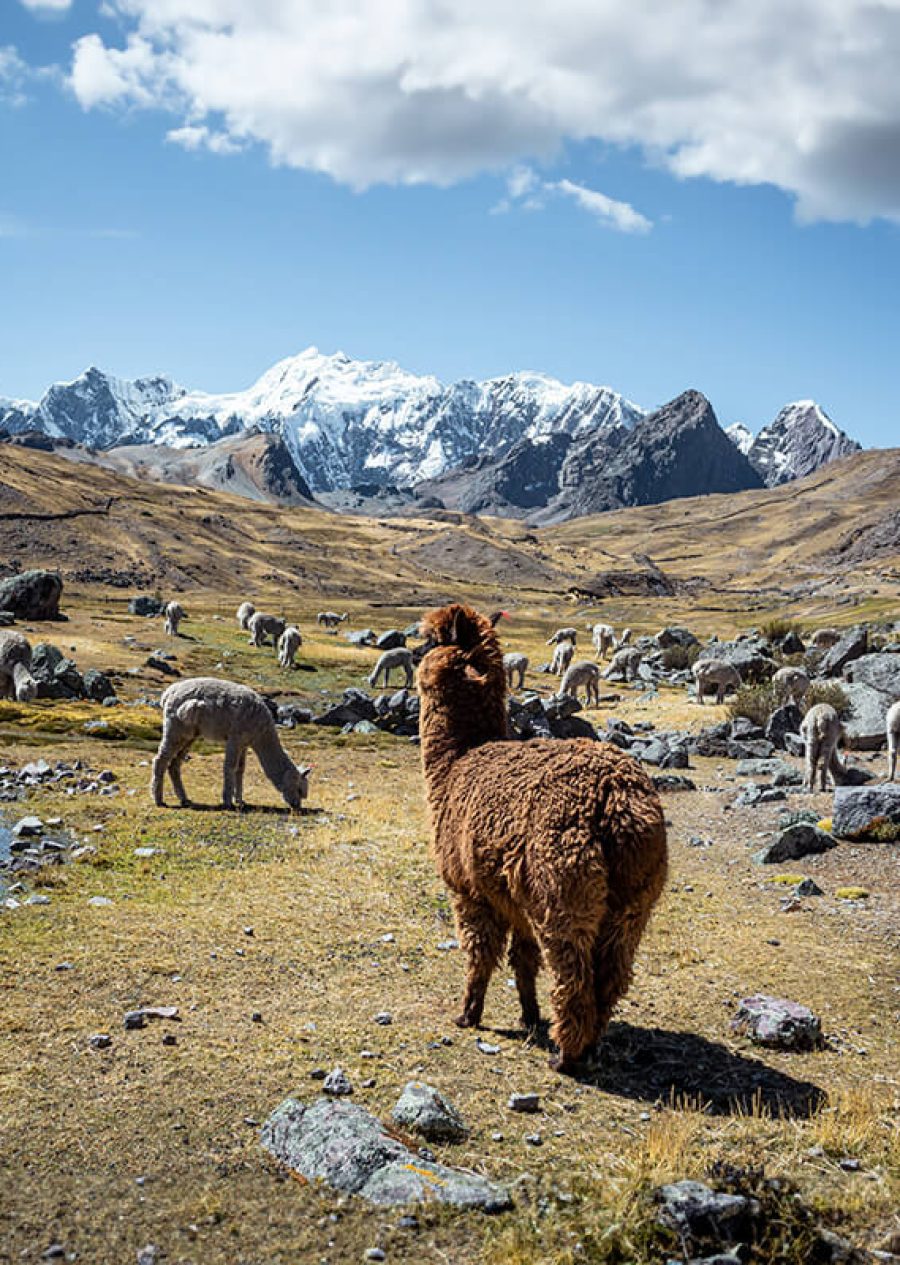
(754, 702)
(827, 692)
(779, 626)
(679, 657)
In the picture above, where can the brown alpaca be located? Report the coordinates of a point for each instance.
(561, 843)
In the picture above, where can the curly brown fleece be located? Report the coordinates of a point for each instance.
(562, 843)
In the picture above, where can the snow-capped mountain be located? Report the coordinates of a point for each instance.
(345, 421)
(800, 440)
(740, 436)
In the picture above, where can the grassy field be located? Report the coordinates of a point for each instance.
(318, 922)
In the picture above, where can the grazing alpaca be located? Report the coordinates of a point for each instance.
(624, 664)
(791, 682)
(174, 613)
(563, 634)
(561, 843)
(586, 674)
(604, 639)
(715, 674)
(893, 739)
(289, 643)
(16, 680)
(400, 658)
(243, 613)
(329, 620)
(562, 657)
(515, 665)
(223, 711)
(821, 732)
(262, 626)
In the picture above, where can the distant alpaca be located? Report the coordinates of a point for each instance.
(791, 682)
(624, 664)
(824, 638)
(175, 613)
(329, 620)
(244, 611)
(893, 739)
(821, 732)
(263, 626)
(515, 665)
(223, 711)
(401, 658)
(562, 657)
(563, 634)
(561, 843)
(16, 681)
(583, 673)
(626, 637)
(289, 643)
(715, 674)
(604, 639)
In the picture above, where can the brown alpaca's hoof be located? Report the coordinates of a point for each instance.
(531, 1019)
(466, 1021)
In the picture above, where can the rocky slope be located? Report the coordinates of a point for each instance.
(800, 440)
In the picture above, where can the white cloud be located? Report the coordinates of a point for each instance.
(619, 215)
(800, 94)
(13, 76)
(197, 136)
(47, 6)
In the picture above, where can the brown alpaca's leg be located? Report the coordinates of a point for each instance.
(574, 1004)
(483, 935)
(614, 953)
(525, 960)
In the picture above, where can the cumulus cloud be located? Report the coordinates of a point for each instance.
(195, 136)
(799, 94)
(47, 6)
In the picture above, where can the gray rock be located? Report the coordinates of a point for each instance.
(423, 1109)
(879, 671)
(674, 636)
(672, 782)
(783, 721)
(100, 1041)
(343, 1145)
(696, 1212)
(752, 660)
(146, 605)
(7, 619)
(528, 1103)
(864, 727)
(560, 706)
(794, 744)
(808, 887)
(97, 685)
(797, 841)
(27, 828)
(853, 645)
(148, 1255)
(768, 768)
(744, 729)
(752, 795)
(32, 595)
(857, 811)
(792, 643)
(748, 749)
(159, 664)
(337, 1083)
(391, 640)
(362, 637)
(778, 1024)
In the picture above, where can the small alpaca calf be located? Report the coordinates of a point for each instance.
(244, 611)
(893, 739)
(16, 681)
(560, 844)
(563, 634)
(223, 711)
(624, 664)
(825, 638)
(401, 658)
(329, 620)
(289, 643)
(262, 626)
(604, 639)
(562, 657)
(715, 674)
(515, 664)
(791, 682)
(583, 673)
(821, 732)
(174, 613)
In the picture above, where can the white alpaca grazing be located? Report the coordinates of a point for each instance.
(562, 634)
(401, 658)
(791, 682)
(604, 639)
(244, 611)
(515, 665)
(329, 620)
(223, 711)
(715, 674)
(562, 657)
(289, 643)
(821, 732)
(262, 626)
(16, 680)
(624, 664)
(175, 613)
(893, 739)
(583, 673)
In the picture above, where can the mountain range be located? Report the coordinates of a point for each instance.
(523, 444)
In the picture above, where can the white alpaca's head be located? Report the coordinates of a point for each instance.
(295, 786)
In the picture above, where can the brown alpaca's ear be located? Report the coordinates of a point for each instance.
(471, 675)
(464, 629)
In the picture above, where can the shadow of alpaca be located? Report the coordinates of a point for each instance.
(271, 810)
(682, 1068)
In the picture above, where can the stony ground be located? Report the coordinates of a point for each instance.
(279, 939)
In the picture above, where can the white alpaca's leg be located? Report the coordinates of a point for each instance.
(239, 778)
(232, 755)
(175, 775)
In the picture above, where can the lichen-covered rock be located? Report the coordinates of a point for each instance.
(778, 1024)
(859, 811)
(783, 721)
(98, 686)
(146, 605)
(696, 1212)
(424, 1109)
(32, 595)
(341, 1144)
(779, 770)
(800, 840)
(853, 645)
(864, 726)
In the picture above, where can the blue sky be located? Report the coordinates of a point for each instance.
(160, 213)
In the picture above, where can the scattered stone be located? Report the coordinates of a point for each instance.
(672, 782)
(99, 902)
(534, 1139)
(159, 664)
(424, 1109)
(808, 887)
(858, 811)
(55, 1252)
(144, 854)
(27, 828)
(778, 1024)
(256, 1016)
(696, 1212)
(485, 1047)
(783, 721)
(169, 1038)
(779, 771)
(98, 686)
(527, 1103)
(393, 639)
(376, 1254)
(864, 725)
(752, 795)
(100, 1041)
(343, 1145)
(385, 1018)
(797, 841)
(337, 1083)
(138, 1018)
(445, 946)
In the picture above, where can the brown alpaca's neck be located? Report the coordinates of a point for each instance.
(449, 727)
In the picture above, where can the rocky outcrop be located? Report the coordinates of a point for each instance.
(800, 440)
(32, 595)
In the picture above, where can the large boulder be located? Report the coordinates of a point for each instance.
(393, 639)
(783, 721)
(864, 727)
(800, 840)
(860, 811)
(674, 636)
(32, 595)
(751, 659)
(98, 686)
(146, 605)
(341, 1144)
(879, 671)
(853, 645)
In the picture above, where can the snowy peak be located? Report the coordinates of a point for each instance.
(800, 440)
(740, 436)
